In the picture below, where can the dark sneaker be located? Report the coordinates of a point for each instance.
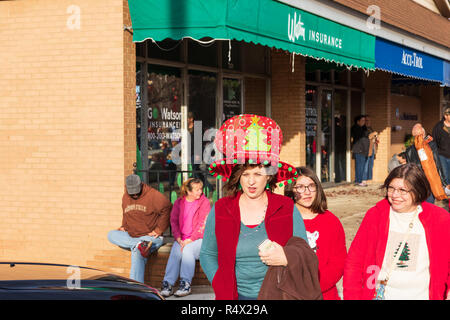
(184, 289)
(166, 289)
(144, 248)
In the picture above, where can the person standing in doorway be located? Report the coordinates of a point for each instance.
(373, 147)
(360, 148)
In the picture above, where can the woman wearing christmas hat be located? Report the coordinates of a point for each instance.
(249, 213)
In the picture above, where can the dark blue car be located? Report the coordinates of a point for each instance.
(41, 281)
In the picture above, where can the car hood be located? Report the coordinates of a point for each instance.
(42, 280)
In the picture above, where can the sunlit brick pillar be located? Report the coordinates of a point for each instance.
(67, 127)
(288, 104)
(255, 96)
(431, 97)
(378, 106)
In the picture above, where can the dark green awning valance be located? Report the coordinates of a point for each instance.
(266, 22)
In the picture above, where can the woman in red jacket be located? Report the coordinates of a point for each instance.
(324, 230)
(402, 248)
(250, 213)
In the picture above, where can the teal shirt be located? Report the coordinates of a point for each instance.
(250, 270)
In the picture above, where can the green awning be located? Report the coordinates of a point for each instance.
(266, 22)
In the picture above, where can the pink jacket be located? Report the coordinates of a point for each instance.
(369, 245)
(199, 220)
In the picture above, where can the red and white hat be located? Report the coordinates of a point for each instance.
(254, 139)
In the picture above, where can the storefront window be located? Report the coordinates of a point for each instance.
(340, 135)
(164, 96)
(325, 135)
(231, 98)
(201, 118)
(202, 53)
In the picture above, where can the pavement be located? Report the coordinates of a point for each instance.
(197, 293)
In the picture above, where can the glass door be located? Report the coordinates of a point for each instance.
(340, 135)
(326, 141)
(163, 122)
(232, 103)
(201, 117)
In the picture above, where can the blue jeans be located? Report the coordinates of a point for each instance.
(445, 163)
(360, 164)
(368, 168)
(182, 263)
(138, 262)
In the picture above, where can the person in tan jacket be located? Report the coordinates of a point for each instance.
(146, 215)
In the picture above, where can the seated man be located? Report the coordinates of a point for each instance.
(146, 214)
(412, 155)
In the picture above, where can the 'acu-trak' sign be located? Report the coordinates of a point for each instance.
(396, 58)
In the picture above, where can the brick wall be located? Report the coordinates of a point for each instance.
(66, 139)
(255, 96)
(378, 106)
(407, 15)
(431, 97)
(288, 105)
(408, 105)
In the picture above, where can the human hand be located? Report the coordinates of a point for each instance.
(185, 243)
(121, 229)
(274, 256)
(153, 234)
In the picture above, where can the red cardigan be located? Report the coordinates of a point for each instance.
(279, 227)
(367, 251)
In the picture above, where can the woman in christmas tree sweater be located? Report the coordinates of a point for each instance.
(324, 230)
(402, 248)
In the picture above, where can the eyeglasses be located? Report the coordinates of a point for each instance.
(402, 192)
(301, 188)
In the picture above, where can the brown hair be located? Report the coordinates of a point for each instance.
(414, 178)
(187, 185)
(233, 185)
(319, 204)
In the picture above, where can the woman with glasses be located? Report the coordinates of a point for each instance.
(402, 248)
(324, 230)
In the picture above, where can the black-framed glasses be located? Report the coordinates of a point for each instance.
(302, 188)
(401, 191)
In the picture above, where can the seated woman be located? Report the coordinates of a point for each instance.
(187, 219)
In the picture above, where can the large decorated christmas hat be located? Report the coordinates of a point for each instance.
(249, 138)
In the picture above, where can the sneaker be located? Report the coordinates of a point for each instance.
(166, 289)
(362, 184)
(184, 289)
(144, 248)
